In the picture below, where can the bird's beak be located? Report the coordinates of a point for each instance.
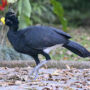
(3, 20)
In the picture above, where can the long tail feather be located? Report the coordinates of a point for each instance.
(77, 49)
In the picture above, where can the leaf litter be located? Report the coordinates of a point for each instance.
(49, 79)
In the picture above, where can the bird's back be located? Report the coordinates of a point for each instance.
(43, 36)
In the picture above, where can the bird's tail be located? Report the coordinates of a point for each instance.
(77, 49)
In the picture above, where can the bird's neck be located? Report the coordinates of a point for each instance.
(12, 36)
(13, 28)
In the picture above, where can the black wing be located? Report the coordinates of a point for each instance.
(40, 37)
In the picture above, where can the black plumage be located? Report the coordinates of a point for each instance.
(34, 39)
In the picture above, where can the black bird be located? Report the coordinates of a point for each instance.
(34, 39)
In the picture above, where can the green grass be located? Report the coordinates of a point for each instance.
(79, 35)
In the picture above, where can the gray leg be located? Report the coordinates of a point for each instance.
(42, 63)
(36, 69)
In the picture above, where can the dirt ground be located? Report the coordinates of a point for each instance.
(49, 79)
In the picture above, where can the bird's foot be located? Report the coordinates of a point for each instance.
(36, 69)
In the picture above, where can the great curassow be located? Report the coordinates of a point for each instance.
(34, 39)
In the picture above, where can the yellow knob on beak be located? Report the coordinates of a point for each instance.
(3, 20)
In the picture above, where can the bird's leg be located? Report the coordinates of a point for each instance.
(37, 62)
(46, 55)
(42, 63)
(36, 69)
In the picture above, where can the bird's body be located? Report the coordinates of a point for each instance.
(34, 39)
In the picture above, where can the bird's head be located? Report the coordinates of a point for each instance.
(10, 19)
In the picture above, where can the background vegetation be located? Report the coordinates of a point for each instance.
(76, 12)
